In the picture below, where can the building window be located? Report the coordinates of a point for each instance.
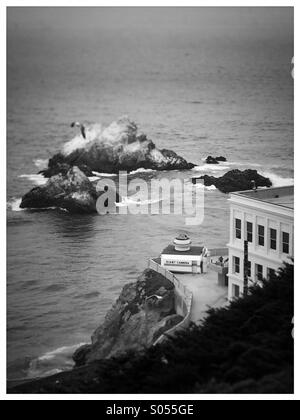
(285, 242)
(249, 231)
(261, 235)
(236, 265)
(273, 239)
(258, 272)
(238, 228)
(236, 291)
(270, 273)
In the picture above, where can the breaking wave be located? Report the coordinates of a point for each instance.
(41, 163)
(53, 362)
(37, 179)
(100, 175)
(14, 204)
(92, 132)
(211, 168)
(142, 171)
(211, 188)
(277, 180)
(94, 178)
(110, 135)
(206, 167)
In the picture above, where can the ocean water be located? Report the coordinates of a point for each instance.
(197, 81)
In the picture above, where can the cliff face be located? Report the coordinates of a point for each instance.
(134, 322)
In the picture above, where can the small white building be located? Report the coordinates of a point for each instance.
(265, 220)
(182, 257)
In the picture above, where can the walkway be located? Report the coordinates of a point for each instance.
(206, 293)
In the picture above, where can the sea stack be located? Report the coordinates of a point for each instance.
(118, 147)
(236, 180)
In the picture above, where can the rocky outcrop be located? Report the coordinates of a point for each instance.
(221, 159)
(134, 322)
(119, 147)
(215, 160)
(236, 180)
(72, 191)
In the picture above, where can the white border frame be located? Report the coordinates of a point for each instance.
(153, 3)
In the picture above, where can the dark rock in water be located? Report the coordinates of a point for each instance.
(215, 160)
(72, 191)
(119, 147)
(211, 160)
(237, 180)
(171, 161)
(133, 323)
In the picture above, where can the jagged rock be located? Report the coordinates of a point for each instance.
(236, 180)
(72, 191)
(133, 323)
(119, 147)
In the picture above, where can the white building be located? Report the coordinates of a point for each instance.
(265, 219)
(182, 257)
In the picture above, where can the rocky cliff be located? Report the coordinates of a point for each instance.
(135, 321)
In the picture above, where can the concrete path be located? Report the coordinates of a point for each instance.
(206, 293)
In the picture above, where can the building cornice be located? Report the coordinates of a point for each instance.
(259, 205)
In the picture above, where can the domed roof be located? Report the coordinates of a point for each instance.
(182, 237)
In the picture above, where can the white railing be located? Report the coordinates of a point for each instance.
(184, 301)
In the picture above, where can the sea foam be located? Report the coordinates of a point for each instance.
(41, 163)
(277, 180)
(53, 362)
(142, 171)
(100, 175)
(37, 179)
(14, 204)
(210, 168)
